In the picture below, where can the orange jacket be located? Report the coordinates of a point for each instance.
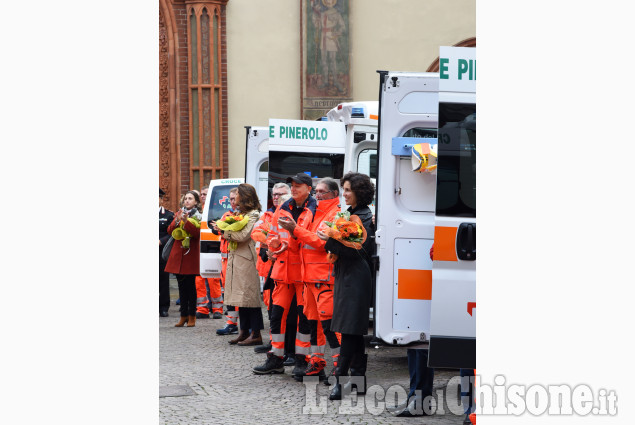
(262, 224)
(288, 265)
(315, 267)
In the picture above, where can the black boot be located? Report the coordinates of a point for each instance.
(300, 366)
(342, 370)
(358, 368)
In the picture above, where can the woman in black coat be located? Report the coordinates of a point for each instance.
(353, 285)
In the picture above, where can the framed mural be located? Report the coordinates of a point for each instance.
(325, 56)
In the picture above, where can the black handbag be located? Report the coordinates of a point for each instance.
(165, 254)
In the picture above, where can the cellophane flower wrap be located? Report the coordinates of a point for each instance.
(234, 223)
(347, 229)
(180, 234)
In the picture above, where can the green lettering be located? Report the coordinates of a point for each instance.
(462, 68)
(298, 130)
(443, 68)
(283, 130)
(271, 130)
(325, 134)
(291, 132)
(304, 131)
(311, 133)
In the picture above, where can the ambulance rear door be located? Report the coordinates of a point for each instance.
(301, 146)
(216, 204)
(405, 207)
(257, 162)
(453, 321)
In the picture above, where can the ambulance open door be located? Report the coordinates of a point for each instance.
(405, 207)
(257, 162)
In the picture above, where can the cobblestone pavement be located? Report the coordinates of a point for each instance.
(227, 392)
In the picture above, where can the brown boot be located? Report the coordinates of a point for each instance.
(191, 321)
(242, 335)
(254, 339)
(182, 321)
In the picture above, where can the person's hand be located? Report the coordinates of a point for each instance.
(160, 243)
(214, 226)
(287, 223)
(322, 235)
(178, 215)
(270, 254)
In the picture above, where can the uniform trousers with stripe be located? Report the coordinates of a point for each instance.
(282, 298)
(318, 308)
(215, 295)
(232, 312)
(201, 296)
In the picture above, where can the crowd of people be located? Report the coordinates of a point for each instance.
(315, 281)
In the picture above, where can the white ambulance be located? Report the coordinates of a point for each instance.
(216, 204)
(288, 147)
(453, 321)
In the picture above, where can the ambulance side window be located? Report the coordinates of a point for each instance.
(219, 202)
(456, 172)
(367, 163)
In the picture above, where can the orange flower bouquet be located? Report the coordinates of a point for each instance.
(347, 229)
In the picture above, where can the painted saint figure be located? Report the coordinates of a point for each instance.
(331, 27)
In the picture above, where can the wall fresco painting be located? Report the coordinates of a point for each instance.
(326, 62)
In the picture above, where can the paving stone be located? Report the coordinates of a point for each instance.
(223, 388)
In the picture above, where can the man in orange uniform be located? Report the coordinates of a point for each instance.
(317, 274)
(231, 327)
(287, 275)
(263, 263)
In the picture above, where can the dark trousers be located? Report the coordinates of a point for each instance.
(421, 376)
(187, 294)
(352, 346)
(250, 318)
(164, 284)
(292, 328)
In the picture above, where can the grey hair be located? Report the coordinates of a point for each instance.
(281, 185)
(331, 184)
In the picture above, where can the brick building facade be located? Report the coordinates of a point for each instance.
(192, 95)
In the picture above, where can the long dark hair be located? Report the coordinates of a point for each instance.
(248, 198)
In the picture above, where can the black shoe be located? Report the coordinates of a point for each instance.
(408, 409)
(272, 365)
(217, 315)
(227, 330)
(262, 349)
(300, 365)
(202, 316)
(289, 360)
(163, 313)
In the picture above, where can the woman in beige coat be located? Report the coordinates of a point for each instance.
(242, 283)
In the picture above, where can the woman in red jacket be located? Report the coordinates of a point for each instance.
(184, 256)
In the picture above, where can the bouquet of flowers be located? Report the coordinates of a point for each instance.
(347, 229)
(180, 234)
(233, 222)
